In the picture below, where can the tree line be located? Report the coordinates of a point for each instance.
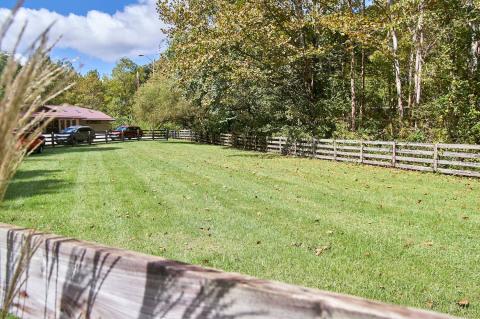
(383, 69)
(388, 69)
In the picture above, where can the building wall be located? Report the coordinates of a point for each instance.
(97, 126)
(57, 125)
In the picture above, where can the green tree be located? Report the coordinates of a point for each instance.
(120, 88)
(159, 103)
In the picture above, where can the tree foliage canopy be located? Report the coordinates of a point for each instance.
(391, 69)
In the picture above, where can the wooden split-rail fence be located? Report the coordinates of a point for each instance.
(108, 137)
(453, 159)
(68, 278)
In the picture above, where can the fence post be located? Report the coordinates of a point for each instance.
(106, 137)
(335, 149)
(435, 157)
(394, 154)
(361, 151)
(52, 136)
(280, 145)
(167, 133)
(295, 147)
(314, 147)
(153, 135)
(123, 136)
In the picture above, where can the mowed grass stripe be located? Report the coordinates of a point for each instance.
(396, 236)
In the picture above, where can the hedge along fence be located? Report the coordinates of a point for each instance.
(453, 159)
(106, 137)
(67, 278)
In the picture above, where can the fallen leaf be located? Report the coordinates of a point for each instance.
(428, 243)
(429, 304)
(464, 303)
(408, 243)
(320, 250)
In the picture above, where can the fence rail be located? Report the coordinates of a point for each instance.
(67, 278)
(108, 137)
(453, 159)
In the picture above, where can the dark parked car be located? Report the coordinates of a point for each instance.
(128, 132)
(75, 134)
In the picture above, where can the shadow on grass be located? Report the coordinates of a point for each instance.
(23, 174)
(75, 149)
(28, 188)
(257, 155)
(183, 142)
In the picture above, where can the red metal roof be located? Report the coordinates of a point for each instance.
(75, 112)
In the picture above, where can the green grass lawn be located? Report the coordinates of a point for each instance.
(400, 237)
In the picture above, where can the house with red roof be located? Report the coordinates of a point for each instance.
(69, 115)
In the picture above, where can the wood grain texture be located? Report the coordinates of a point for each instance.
(68, 278)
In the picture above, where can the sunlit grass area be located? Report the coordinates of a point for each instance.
(400, 237)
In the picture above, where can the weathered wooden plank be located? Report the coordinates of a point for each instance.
(325, 157)
(348, 141)
(348, 154)
(346, 159)
(378, 156)
(394, 154)
(409, 144)
(458, 154)
(459, 146)
(72, 279)
(348, 148)
(325, 146)
(321, 151)
(458, 163)
(458, 172)
(415, 167)
(377, 149)
(376, 163)
(377, 143)
(414, 152)
(414, 159)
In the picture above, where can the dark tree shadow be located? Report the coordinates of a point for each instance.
(166, 293)
(24, 174)
(52, 151)
(84, 279)
(259, 156)
(28, 188)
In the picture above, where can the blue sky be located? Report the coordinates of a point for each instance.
(95, 33)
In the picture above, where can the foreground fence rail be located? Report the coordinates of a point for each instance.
(453, 159)
(67, 278)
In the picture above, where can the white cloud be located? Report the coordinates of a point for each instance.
(134, 30)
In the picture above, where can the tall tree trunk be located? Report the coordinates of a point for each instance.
(411, 66)
(353, 98)
(419, 55)
(362, 70)
(352, 89)
(475, 41)
(396, 67)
